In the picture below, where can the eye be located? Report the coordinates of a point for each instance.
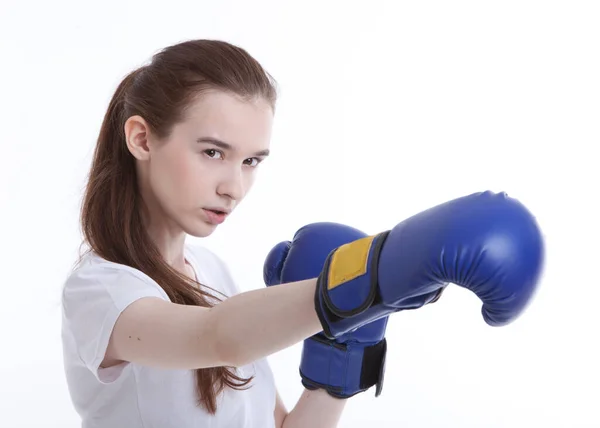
(212, 152)
(255, 160)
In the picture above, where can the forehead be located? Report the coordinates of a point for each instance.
(245, 124)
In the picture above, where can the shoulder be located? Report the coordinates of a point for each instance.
(94, 276)
(211, 268)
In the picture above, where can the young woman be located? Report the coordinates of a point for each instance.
(155, 331)
(145, 344)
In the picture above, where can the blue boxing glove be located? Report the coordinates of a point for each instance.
(354, 361)
(486, 242)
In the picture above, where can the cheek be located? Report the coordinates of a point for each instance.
(173, 176)
(249, 179)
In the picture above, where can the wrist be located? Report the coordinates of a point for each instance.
(343, 369)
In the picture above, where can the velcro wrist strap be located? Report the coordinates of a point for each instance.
(342, 369)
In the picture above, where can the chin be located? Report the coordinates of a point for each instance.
(200, 229)
(198, 232)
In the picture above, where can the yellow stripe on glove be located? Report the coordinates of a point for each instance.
(349, 261)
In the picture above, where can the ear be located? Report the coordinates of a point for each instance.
(137, 133)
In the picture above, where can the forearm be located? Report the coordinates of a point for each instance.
(315, 409)
(258, 323)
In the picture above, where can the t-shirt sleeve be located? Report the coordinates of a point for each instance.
(93, 298)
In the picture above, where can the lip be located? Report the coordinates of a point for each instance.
(213, 217)
(226, 211)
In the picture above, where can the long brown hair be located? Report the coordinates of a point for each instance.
(111, 211)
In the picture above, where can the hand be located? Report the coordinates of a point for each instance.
(354, 361)
(486, 242)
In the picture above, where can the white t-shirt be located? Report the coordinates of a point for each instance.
(135, 396)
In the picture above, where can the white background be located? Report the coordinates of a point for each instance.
(407, 105)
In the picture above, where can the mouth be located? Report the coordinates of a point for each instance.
(216, 215)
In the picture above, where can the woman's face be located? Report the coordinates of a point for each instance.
(199, 174)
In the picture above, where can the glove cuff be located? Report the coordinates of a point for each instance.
(347, 293)
(342, 369)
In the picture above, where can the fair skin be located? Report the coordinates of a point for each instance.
(210, 161)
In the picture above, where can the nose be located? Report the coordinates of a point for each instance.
(232, 184)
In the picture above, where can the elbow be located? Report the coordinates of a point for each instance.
(229, 355)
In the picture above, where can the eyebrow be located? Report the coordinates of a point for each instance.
(226, 146)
